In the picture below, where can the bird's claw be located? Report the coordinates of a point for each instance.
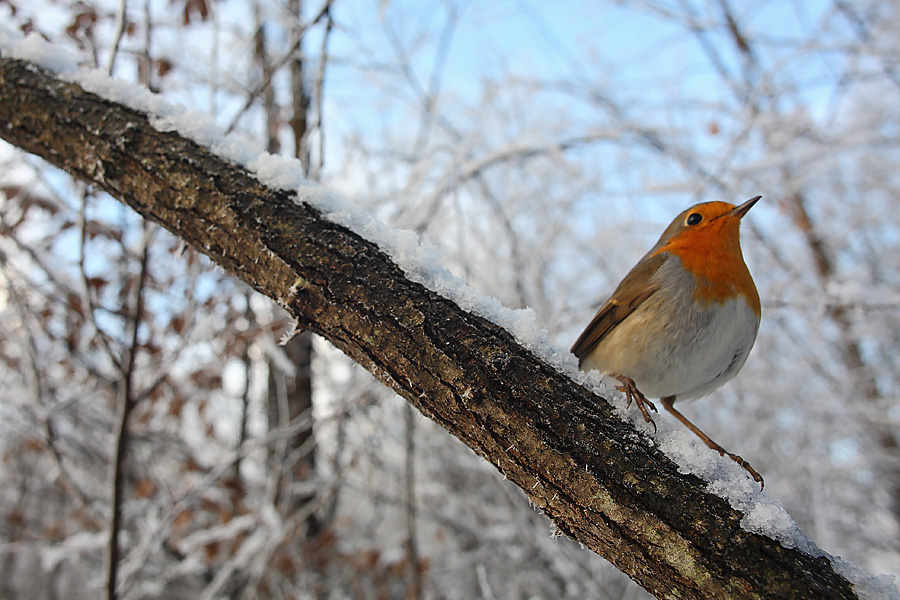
(632, 394)
(746, 466)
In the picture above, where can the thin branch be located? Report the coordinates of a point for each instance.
(414, 589)
(299, 98)
(161, 535)
(318, 93)
(245, 392)
(121, 15)
(125, 405)
(437, 75)
(865, 36)
(44, 415)
(86, 296)
(276, 65)
(266, 73)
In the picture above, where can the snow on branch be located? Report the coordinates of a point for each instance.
(486, 374)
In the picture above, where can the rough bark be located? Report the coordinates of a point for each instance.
(592, 474)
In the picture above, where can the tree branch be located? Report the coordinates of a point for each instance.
(126, 403)
(602, 483)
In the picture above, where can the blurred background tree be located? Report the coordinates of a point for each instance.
(158, 441)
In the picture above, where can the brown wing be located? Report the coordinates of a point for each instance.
(630, 294)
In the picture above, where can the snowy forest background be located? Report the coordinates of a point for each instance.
(543, 150)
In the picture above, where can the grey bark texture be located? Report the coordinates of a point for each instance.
(600, 482)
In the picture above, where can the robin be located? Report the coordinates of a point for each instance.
(682, 322)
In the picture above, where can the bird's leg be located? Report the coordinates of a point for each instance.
(634, 394)
(668, 404)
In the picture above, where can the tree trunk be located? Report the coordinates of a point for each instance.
(600, 481)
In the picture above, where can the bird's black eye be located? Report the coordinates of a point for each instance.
(694, 218)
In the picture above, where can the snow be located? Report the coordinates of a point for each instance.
(72, 547)
(421, 263)
(33, 48)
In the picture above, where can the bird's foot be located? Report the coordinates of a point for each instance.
(669, 404)
(632, 394)
(746, 466)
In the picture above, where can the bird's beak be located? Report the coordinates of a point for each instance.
(741, 210)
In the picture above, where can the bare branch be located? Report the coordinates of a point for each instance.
(121, 21)
(126, 403)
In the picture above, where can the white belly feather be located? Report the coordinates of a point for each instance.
(687, 354)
